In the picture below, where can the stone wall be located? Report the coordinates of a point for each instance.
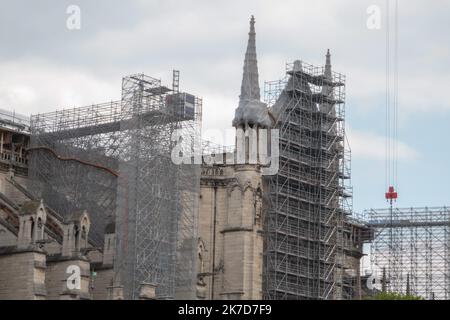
(7, 238)
(231, 234)
(102, 284)
(22, 275)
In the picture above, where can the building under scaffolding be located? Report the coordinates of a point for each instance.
(114, 160)
(310, 195)
(286, 236)
(412, 249)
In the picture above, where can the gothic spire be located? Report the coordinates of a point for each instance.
(250, 81)
(251, 111)
(328, 65)
(327, 89)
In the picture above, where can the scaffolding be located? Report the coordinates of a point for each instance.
(311, 195)
(114, 160)
(87, 135)
(411, 248)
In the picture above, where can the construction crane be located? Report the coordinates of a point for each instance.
(391, 168)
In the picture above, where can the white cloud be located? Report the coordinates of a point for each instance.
(367, 145)
(36, 86)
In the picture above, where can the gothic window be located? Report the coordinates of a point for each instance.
(83, 233)
(76, 236)
(32, 227)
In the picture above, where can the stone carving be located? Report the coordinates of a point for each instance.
(201, 288)
(212, 172)
(200, 255)
(253, 112)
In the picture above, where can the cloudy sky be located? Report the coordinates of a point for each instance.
(46, 66)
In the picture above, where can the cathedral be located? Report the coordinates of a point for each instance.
(279, 235)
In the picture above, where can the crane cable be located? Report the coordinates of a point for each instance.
(391, 145)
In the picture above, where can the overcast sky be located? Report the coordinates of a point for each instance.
(44, 66)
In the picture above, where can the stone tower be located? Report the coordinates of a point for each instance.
(230, 255)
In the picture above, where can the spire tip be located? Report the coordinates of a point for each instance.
(328, 58)
(252, 24)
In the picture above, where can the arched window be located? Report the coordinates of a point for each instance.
(32, 228)
(39, 228)
(77, 237)
(83, 232)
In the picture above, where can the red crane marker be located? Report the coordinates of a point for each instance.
(391, 194)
